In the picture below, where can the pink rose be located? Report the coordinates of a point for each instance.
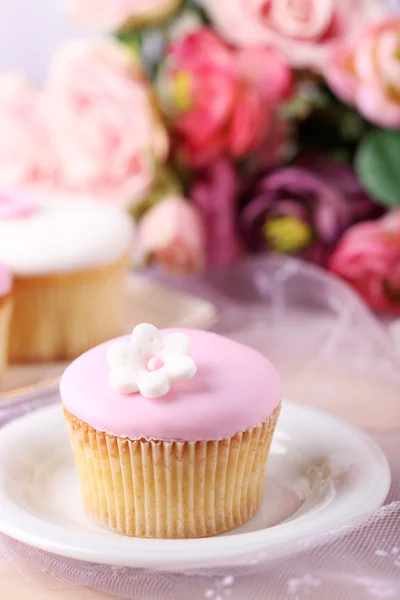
(172, 234)
(276, 147)
(368, 258)
(25, 154)
(303, 30)
(107, 135)
(266, 69)
(113, 14)
(216, 98)
(215, 193)
(367, 73)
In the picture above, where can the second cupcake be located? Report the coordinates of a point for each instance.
(69, 258)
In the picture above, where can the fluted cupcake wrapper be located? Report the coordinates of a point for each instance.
(61, 316)
(5, 318)
(160, 489)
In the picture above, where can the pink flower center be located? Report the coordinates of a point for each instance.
(154, 364)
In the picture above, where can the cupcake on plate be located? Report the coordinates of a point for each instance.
(5, 314)
(69, 257)
(171, 431)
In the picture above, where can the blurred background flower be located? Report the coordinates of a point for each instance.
(342, 177)
(26, 156)
(294, 211)
(172, 234)
(215, 194)
(217, 101)
(368, 258)
(366, 72)
(106, 132)
(303, 31)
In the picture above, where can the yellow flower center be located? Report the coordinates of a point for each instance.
(287, 234)
(182, 91)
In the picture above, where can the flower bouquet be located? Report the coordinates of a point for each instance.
(227, 127)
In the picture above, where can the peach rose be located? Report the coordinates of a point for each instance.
(368, 258)
(107, 135)
(367, 73)
(113, 14)
(25, 155)
(172, 234)
(303, 30)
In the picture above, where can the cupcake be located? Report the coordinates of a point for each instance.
(171, 431)
(5, 314)
(68, 256)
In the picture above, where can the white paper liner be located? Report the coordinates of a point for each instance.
(159, 489)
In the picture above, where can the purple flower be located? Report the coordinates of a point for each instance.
(215, 193)
(342, 177)
(295, 211)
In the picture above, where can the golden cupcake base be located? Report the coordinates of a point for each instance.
(159, 489)
(5, 318)
(57, 317)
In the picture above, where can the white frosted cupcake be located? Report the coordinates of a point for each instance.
(68, 256)
(5, 314)
(171, 431)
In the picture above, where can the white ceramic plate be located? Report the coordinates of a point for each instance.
(321, 474)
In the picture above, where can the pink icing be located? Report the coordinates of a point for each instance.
(15, 203)
(235, 387)
(5, 280)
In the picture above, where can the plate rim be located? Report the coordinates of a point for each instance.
(21, 391)
(192, 552)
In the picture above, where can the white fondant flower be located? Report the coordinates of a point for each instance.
(150, 362)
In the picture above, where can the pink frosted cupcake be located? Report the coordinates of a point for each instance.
(171, 431)
(5, 314)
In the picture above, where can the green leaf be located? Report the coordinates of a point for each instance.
(132, 41)
(377, 164)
